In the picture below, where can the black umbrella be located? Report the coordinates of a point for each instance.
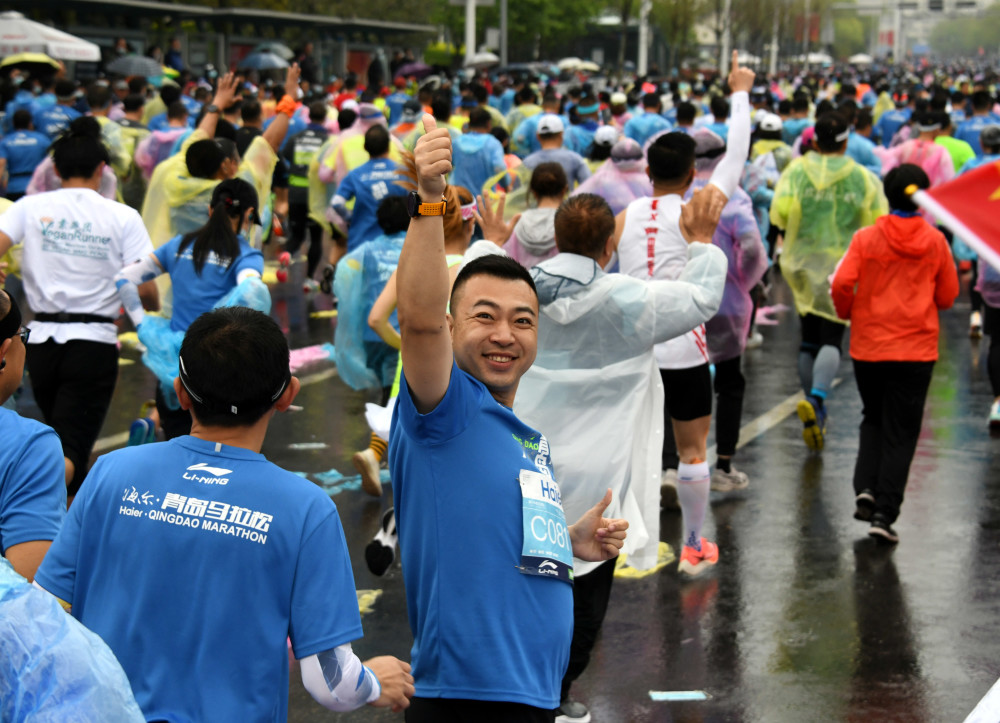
(418, 70)
(262, 61)
(129, 65)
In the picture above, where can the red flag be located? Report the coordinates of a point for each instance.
(970, 206)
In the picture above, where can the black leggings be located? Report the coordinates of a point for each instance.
(729, 388)
(451, 710)
(991, 326)
(298, 219)
(73, 384)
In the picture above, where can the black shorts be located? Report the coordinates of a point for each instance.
(818, 331)
(687, 393)
(73, 384)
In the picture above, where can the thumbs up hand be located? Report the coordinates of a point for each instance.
(432, 156)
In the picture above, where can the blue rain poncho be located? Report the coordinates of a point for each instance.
(52, 669)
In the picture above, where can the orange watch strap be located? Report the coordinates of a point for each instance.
(432, 209)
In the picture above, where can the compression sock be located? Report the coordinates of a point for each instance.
(824, 369)
(692, 491)
(378, 446)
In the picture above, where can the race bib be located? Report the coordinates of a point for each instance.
(547, 550)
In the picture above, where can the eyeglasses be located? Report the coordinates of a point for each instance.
(24, 332)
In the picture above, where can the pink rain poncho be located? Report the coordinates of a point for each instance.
(739, 238)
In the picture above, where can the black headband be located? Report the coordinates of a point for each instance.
(231, 408)
(10, 324)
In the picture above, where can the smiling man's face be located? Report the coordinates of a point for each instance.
(494, 332)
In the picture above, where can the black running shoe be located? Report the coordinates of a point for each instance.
(381, 551)
(881, 529)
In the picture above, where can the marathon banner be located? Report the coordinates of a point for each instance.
(969, 205)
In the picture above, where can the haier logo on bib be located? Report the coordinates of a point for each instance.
(217, 474)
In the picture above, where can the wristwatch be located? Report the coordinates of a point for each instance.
(416, 207)
(212, 108)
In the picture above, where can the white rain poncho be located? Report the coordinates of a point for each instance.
(594, 390)
(820, 202)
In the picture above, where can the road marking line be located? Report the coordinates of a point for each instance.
(765, 422)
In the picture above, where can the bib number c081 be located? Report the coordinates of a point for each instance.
(547, 550)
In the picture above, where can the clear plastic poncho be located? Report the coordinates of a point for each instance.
(357, 284)
(177, 203)
(820, 202)
(619, 183)
(577, 387)
(52, 669)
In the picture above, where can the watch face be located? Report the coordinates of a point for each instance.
(413, 204)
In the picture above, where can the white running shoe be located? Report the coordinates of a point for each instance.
(367, 464)
(729, 481)
(994, 418)
(668, 490)
(976, 325)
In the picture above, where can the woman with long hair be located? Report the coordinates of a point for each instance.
(210, 267)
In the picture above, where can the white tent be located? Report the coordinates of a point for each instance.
(20, 35)
(861, 59)
(483, 59)
(569, 63)
(748, 58)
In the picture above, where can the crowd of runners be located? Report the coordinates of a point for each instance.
(551, 293)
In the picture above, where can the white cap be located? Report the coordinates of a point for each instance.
(606, 136)
(550, 124)
(619, 98)
(770, 122)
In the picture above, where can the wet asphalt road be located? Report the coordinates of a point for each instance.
(805, 617)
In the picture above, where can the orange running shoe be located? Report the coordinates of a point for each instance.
(694, 562)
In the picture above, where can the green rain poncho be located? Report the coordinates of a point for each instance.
(820, 201)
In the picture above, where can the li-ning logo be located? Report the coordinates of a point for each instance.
(217, 473)
(548, 568)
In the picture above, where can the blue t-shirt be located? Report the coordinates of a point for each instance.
(54, 120)
(476, 157)
(194, 293)
(369, 183)
(974, 163)
(890, 122)
(24, 150)
(641, 128)
(482, 630)
(194, 561)
(395, 102)
(969, 130)
(32, 481)
(576, 168)
(793, 128)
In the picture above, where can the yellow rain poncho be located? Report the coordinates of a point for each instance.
(178, 203)
(882, 104)
(820, 201)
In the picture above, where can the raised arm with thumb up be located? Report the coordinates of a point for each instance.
(432, 157)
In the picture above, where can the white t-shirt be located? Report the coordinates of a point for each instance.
(652, 247)
(74, 241)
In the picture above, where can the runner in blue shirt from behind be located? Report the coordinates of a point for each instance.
(236, 554)
(20, 153)
(368, 184)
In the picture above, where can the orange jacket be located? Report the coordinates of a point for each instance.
(891, 283)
